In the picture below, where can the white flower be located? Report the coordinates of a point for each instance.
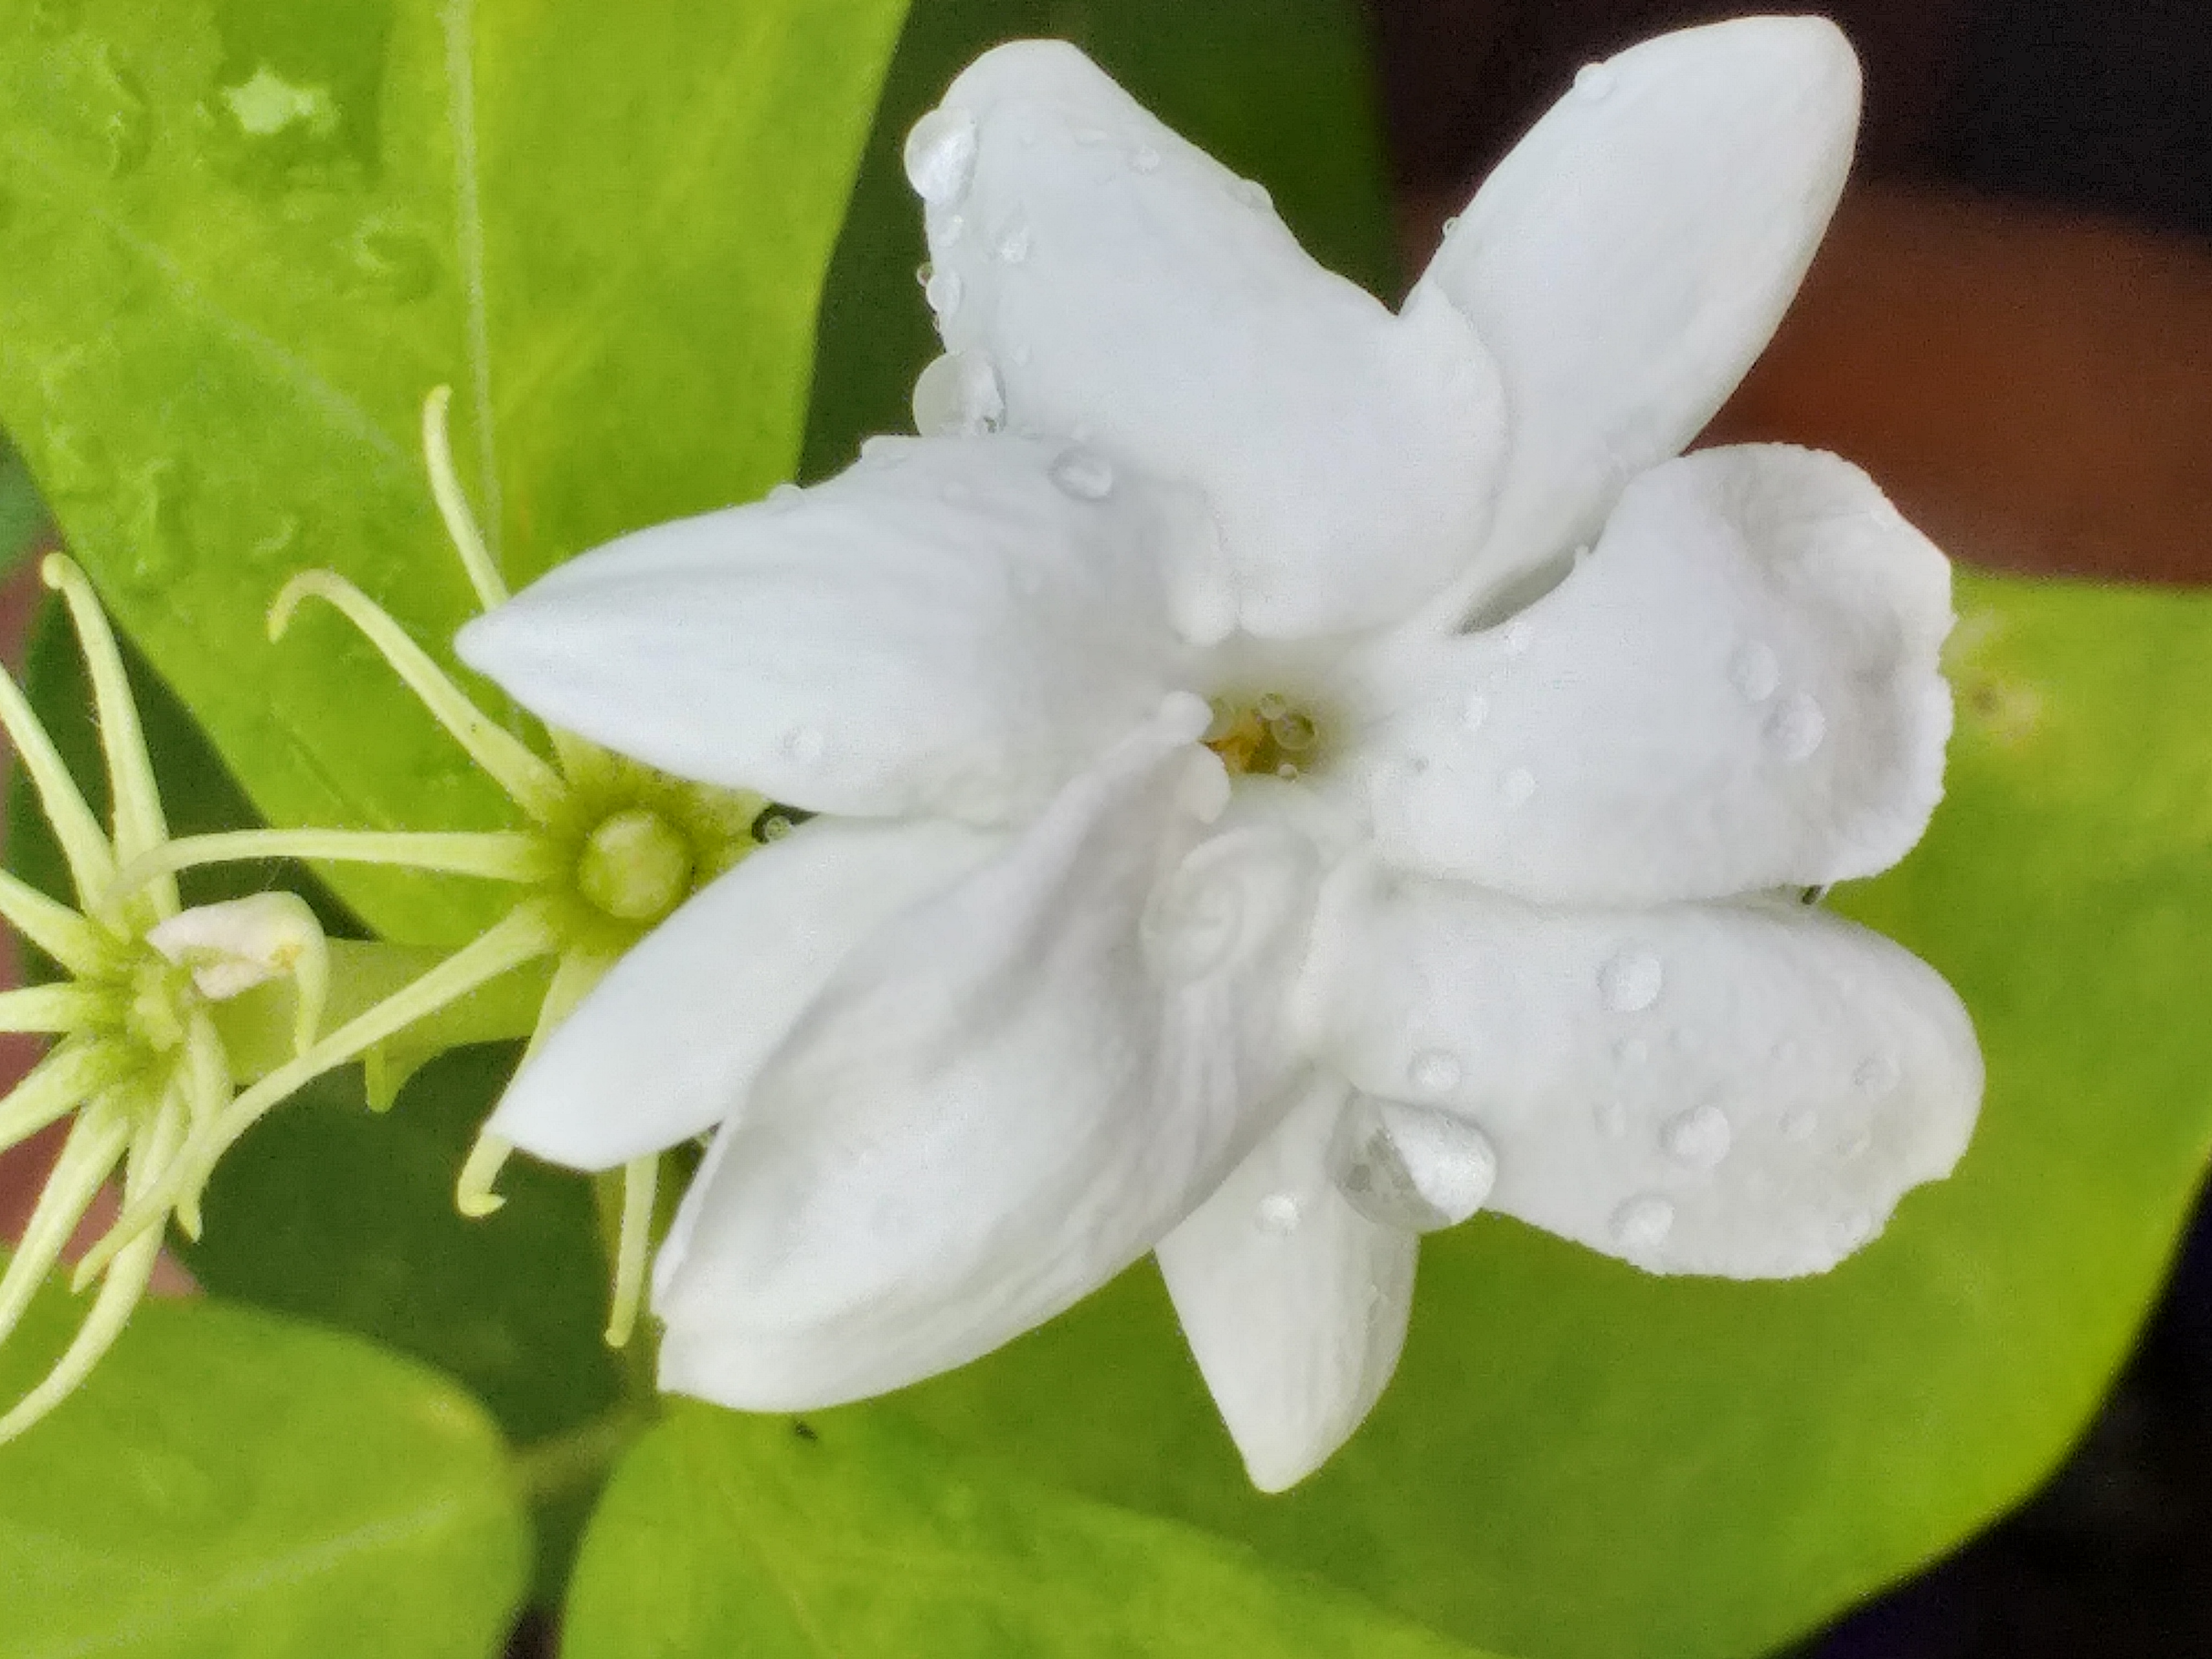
(1456, 897)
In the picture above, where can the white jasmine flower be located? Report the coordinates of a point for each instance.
(1454, 897)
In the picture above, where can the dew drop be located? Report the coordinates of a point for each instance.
(1852, 1229)
(1435, 1071)
(1518, 787)
(1612, 1119)
(1278, 1213)
(1644, 1222)
(785, 496)
(1193, 925)
(1473, 712)
(1451, 224)
(1286, 771)
(1410, 1167)
(1144, 159)
(1020, 356)
(1271, 705)
(1251, 193)
(1629, 981)
(1594, 80)
(1293, 730)
(1517, 635)
(1698, 1138)
(1754, 670)
(1091, 137)
(1014, 246)
(1084, 473)
(940, 155)
(1799, 1122)
(803, 743)
(942, 290)
(1877, 1076)
(1798, 727)
(958, 396)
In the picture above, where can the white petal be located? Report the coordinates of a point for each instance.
(942, 629)
(1294, 1302)
(1004, 1099)
(668, 1045)
(1744, 1089)
(1128, 288)
(1631, 257)
(1739, 689)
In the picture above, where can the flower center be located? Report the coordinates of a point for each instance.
(634, 865)
(157, 1001)
(1265, 736)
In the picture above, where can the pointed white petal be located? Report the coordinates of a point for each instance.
(1294, 1302)
(944, 629)
(668, 1043)
(1744, 1089)
(1631, 257)
(1125, 286)
(1001, 1101)
(1739, 689)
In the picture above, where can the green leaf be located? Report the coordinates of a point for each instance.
(231, 1483)
(240, 240)
(1279, 90)
(332, 1214)
(724, 1533)
(1575, 1459)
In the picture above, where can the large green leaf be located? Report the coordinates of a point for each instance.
(231, 1483)
(328, 1212)
(240, 239)
(1578, 1460)
(723, 1534)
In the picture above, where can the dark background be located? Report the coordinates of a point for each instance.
(2011, 326)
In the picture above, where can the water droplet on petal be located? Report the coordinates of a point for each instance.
(1518, 787)
(1473, 712)
(942, 290)
(1192, 924)
(803, 743)
(1084, 473)
(1629, 981)
(1089, 137)
(1877, 1076)
(958, 396)
(1517, 635)
(1852, 1229)
(1642, 1223)
(1014, 245)
(1799, 1122)
(1435, 1071)
(1612, 1119)
(1144, 159)
(1278, 1213)
(1251, 193)
(1594, 80)
(940, 155)
(1451, 224)
(1020, 356)
(785, 496)
(1698, 1138)
(1754, 670)
(1293, 730)
(1410, 1167)
(1798, 727)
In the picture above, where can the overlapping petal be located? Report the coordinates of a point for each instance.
(1743, 1089)
(1294, 1303)
(1631, 256)
(951, 627)
(1007, 1096)
(1123, 285)
(668, 1044)
(1737, 689)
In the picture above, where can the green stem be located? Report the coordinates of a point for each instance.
(579, 1458)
